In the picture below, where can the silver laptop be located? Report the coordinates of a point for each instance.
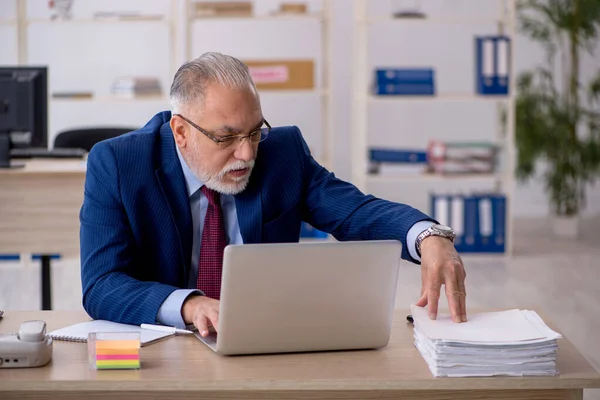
(308, 296)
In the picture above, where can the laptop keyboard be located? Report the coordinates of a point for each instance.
(211, 339)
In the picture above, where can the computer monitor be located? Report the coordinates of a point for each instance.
(23, 109)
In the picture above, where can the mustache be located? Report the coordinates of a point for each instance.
(235, 166)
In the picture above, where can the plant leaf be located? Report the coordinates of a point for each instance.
(594, 89)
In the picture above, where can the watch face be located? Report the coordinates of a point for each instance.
(443, 228)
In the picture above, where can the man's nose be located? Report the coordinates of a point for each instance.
(245, 150)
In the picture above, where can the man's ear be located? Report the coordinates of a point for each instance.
(179, 131)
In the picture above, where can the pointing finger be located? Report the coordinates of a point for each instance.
(463, 298)
(422, 301)
(453, 295)
(201, 323)
(433, 295)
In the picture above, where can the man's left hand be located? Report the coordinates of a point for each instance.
(441, 265)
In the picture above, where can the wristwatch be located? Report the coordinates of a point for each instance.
(435, 230)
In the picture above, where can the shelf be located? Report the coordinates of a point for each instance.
(366, 100)
(283, 17)
(97, 20)
(111, 99)
(385, 178)
(439, 97)
(438, 21)
(294, 92)
(8, 22)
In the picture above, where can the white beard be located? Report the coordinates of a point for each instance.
(216, 181)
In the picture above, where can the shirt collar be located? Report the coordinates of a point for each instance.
(192, 183)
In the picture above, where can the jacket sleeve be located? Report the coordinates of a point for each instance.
(342, 210)
(108, 262)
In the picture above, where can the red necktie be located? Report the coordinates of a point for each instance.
(210, 263)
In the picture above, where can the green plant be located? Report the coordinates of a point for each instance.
(558, 116)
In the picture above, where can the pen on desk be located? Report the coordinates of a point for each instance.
(163, 328)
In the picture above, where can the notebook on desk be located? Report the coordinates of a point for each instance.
(79, 332)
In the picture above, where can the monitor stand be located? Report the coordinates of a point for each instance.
(5, 145)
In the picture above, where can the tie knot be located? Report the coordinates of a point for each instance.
(211, 195)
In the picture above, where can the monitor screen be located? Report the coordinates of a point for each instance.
(23, 109)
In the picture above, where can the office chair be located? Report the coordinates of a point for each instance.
(85, 138)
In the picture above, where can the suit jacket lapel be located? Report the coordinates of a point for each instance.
(172, 182)
(248, 206)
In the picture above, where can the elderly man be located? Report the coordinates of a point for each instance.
(161, 203)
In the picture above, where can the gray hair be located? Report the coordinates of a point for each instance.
(191, 79)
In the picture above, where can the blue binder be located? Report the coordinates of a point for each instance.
(492, 239)
(17, 257)
(492, 65)
(457, 219)
(471, 243)
(398, 155)
(498, 243)
(10, 257)
(441, 208)
(479, 220)
(404, 81)
(486, 224)
(308, 231)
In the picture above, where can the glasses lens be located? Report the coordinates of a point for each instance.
(255, 137)
(264, 132)
(226, 143)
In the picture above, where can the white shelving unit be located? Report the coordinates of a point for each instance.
(112, 99)
(363, 100)
(323, 74)
(181, 22)
(171, 21)
(29, 20)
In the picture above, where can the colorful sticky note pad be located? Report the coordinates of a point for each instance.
(114, 350)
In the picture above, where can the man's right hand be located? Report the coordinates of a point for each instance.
(201, 311)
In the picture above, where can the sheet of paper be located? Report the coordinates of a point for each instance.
(502, 326)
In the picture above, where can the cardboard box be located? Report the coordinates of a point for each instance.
(204, 9)
(282, 74)
(293, 8)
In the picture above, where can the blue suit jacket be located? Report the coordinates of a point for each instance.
(136, 225)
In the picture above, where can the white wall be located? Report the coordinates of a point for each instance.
(449, 49)
(90, 56)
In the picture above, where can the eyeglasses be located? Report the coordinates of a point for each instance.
(256, 136)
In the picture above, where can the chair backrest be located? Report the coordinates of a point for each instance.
(86, 138)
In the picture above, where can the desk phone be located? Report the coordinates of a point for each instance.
(31, 347)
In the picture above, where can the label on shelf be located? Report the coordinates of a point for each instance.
(274, 74)
(282, 74)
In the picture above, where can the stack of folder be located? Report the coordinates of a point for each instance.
(509, 343)
(478, 218)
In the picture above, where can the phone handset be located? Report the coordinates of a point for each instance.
(30, 347)
(32, 331)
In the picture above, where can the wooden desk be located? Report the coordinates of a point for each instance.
(184, 368)
(39, 211)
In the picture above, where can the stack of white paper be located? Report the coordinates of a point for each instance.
(513, 343)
